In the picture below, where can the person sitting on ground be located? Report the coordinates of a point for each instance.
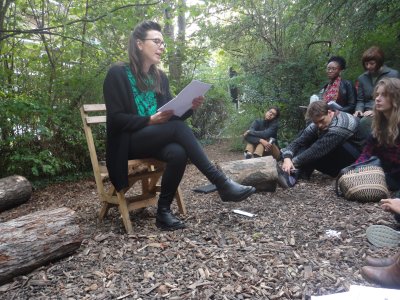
(330, 143)
(337, 89)
(261, 137)
(133, 92)
(373, 62)
(384, 142)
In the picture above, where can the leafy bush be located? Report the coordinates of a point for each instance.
(37, 140)
(209, 120)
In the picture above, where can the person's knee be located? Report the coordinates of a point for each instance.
(176, 154)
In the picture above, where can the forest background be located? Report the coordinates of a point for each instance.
(55, 54)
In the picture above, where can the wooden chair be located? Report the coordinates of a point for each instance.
(145, 171)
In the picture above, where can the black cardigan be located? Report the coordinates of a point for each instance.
(123, 120)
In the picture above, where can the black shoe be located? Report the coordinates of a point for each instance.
(302, 174)
(284, 179)
(248, 155)
(165, 220)
(231, 191)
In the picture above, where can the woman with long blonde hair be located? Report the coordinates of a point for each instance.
(384, 141)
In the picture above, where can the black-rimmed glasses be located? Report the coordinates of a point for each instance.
(158, 42)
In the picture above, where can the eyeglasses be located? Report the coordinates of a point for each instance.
(158, 42)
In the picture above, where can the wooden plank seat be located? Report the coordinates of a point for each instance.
(147, 172)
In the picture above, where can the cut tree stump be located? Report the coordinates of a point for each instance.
(14, 190)
(258, 172)
(36, 239)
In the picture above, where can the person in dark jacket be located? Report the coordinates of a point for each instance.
(261, 137)
(338, 89)
(133, 93)
(330, 143)
(373, 62)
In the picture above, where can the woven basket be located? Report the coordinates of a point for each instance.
(365, 183)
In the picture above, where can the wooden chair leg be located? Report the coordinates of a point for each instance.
(145, 186)
(179, 201)
(123, 209)
(105, 206)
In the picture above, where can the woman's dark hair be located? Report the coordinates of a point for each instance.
(339, 60)
(152, 79)
(374, 53)
(278, 111)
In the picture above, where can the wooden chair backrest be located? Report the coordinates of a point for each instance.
(94, 114)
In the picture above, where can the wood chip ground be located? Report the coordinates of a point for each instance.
(303, 241)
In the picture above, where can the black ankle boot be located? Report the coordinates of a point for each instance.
(234, 192)
(165, 220)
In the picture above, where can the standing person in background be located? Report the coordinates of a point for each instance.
(262, 135)
(373, 62)
(135, 129)
(337, 89)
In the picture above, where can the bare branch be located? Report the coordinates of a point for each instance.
(46, 30)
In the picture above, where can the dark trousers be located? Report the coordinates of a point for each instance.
(334, 161)
(172, 142)
(392, 183)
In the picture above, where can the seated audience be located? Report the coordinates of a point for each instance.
(330, 143)
(261, 137)
(373, 62)
(337, 89)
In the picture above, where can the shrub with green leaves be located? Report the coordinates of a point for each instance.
(37, 140)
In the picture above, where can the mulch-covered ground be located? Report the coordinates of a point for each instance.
(303, 241)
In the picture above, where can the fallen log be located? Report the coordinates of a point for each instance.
(14, 190)
(36, 239)
(258, 172)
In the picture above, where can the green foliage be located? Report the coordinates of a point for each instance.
(209, 120)
(38, 140)
(278, 48)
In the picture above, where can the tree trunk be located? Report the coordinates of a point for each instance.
(36, 239)
(14, 190)
(176, 47)
(258, 172)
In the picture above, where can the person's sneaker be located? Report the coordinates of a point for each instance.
(284, 179)
(248, 155)
(383, 236)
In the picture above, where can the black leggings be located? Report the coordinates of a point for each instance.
(334, 161)
(172, 142)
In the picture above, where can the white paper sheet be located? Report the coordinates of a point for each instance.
(244, 213)
(183, 101)
(371, 293)
(358, 292)
(338, 296)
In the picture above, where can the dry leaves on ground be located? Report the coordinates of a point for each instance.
(303, 241)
